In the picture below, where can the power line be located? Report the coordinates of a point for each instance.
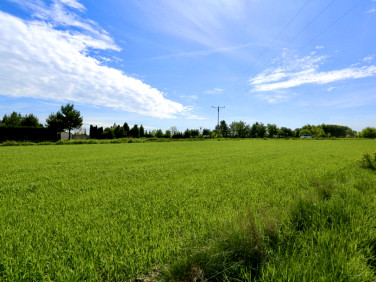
(309, 24)
(332, 24)
(285, 27)
(275, 38)
(313, 20)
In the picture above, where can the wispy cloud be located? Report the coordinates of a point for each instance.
(371, 11)
(368, 59)
(74, 4)
(39, 60)
(204, 52)
(205, 22)
(296, 72)
(189, 97)
(214, 91)
(276, 97)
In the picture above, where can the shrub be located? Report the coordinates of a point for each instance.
(368, 160)
(45, 143)
(92, 141)
(10, 143)
(368, 132)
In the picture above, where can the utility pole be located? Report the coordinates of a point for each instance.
(218, 107)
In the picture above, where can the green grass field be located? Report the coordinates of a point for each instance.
(118, 211)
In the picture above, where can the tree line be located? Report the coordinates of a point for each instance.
(18, 127)
(237, 129)
(69, 119)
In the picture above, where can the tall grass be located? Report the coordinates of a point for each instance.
(368, 160)
(119, 211)
(329, 234)
(241, 246)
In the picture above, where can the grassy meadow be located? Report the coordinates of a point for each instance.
(263, 210)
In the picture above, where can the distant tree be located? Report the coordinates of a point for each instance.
(167, 134)
(16, 120)
(195, 132)
(109, 133)
(54, 123)
(177, 135)
(338, 130)
(66, 119)
(206, 132)
(285, 132)
(261, 130)
(187, 133)
(239, 129)
(142, 131)
(223, 127)
(159, 133)
(272, 130)
(135, 131)
(13, 120)
(296, 132)
(318, 131)
(280, 133)
(119, 131)
(253, 132)
(30, 121)
(126, 129)
(95, 132)
(148, 134)
(305, 131)
(368, 132)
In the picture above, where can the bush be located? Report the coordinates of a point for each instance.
(45, 143)
(368, 160)
(368, 132)
(10, 143)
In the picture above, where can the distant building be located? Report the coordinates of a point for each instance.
(63, 136)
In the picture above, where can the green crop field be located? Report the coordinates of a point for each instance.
(305, 209)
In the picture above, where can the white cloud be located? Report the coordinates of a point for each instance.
(296, 72)
(329, 89)
(74, 4)
(371, 11)
(368, 58)
(214, 91)
(39, 61)
(319, 47)
(59, 14)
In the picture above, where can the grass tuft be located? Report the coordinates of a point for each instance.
(368, 160)
(240, 248)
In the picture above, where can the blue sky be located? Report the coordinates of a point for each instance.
(164, 63)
